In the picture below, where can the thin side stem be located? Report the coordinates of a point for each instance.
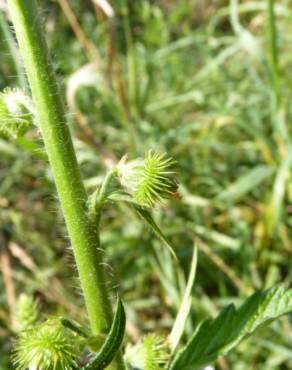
(52, 121)
(99, 197)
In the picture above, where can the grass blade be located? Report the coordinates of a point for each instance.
(181, 318)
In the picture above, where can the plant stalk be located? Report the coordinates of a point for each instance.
(51, 117)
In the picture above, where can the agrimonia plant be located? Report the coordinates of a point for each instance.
(58, 343)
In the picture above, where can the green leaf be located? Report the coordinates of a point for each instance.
(112, 343)
(218, 336)
(146, 215)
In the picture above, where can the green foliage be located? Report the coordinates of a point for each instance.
(217, 337)
(203, 82)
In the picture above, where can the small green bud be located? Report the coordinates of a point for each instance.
(27, 313)
(46, 346)
(16, 113)
(149, 354)
(150, 180)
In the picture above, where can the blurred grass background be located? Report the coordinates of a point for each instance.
(209, 82)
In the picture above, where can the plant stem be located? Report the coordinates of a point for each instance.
(52, 121)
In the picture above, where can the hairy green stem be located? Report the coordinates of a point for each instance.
(52, 121)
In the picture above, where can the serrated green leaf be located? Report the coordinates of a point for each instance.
(217, 337)
(112, 343)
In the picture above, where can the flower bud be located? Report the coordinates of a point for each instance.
(150, 180)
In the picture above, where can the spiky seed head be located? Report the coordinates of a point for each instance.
(27, 313)
(16, 113)
(46, 346)
(150, 180)
(149, 354)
